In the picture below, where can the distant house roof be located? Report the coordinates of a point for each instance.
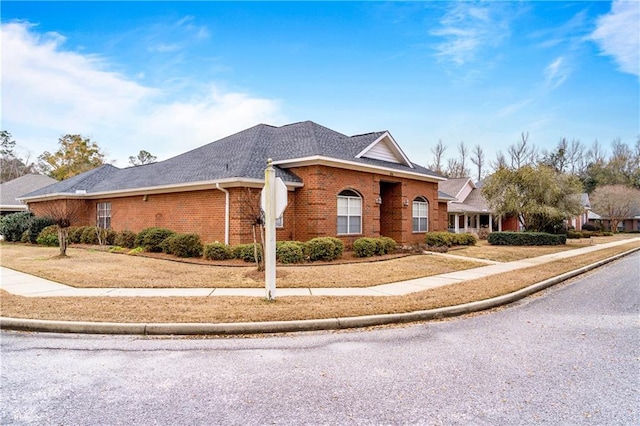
(467, 197)
(11, 190)
(241, 159)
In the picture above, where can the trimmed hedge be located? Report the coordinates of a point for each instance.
(449, 239)
(217, 251)
(526, 239)
(125, 239)
(587, 234)
(152, 238)
(182, 245)
(12, 226)
(48, 236)
(74, 234)
(367, 247)
(246, 252)
(290, 252)
(37, 224)
(324, 248)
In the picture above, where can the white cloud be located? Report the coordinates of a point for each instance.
(617, 35)
(468, 27)
(48, 91)
(556, 73)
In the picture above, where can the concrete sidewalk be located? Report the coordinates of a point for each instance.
(22, 284)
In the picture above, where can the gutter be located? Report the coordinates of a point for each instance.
(226, 212)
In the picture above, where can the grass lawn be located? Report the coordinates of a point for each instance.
(105, 268)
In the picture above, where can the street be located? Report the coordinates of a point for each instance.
(567, 356)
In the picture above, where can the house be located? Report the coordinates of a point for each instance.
(468, 210)
(338, 185)
(11, 190)
(577, 221)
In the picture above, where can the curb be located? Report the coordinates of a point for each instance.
(291, 326)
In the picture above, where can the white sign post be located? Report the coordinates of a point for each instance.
(273, 201)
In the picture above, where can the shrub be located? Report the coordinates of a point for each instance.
(290, 252)
(589, 227)
(439, 239)
(217, 251)
(183, 245)
(37, 224)
(89, 235)
(48, 236)
(25, 237)
(74, 234)
(526, 239)
(246, 252)
(367, 247)
(389, 244)
(464, 239)
(153, 238)
(12, 226)
(575, 234)
(139, 242)
(125, 239)
(324, 248)
(135, 251)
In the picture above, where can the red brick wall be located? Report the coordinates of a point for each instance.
(311, 211)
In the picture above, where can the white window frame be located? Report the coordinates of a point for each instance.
(280, 221)
(353, 202)
(103, 215)
(419, 213)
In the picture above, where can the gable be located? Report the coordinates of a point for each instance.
(386, 149)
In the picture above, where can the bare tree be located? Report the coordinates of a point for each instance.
(438, 152)
(63, 213)
(615, 202)
(251, 212)
(477, 158)
(500, 161)
(521, 153)
(463, 151)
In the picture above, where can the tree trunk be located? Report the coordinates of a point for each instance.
(62, 240)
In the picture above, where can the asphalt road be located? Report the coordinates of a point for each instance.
(570, 355)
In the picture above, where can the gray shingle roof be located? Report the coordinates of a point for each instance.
(242, 155)
(11, 190)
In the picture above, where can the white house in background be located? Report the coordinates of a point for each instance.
(468, 209)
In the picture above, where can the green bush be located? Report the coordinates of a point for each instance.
(48, 236)
(590, 227)
(37, 224)
(324, 248)
(89, 235)
(290, 252)
(438, 239)
(74, 234)
(526, 239)
(153, 238)
(389, 244)
(217, 251)
(183, 245)
(464, 239)
(367, 247)
(125, 239)
(25, 237)
(246, 252)
(12, 226)
(139, 242)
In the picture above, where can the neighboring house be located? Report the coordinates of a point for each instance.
(577, 221)
(11, 190)
(631, 223)
(468, 210)
(345, 186)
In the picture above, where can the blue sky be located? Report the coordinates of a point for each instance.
(167, 77)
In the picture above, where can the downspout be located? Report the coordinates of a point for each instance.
(226, 213)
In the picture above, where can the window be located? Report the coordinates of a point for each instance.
(104, 215)
(349, 213)
(280, 221)
(420, 215)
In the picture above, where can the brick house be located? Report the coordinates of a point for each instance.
(338, 185)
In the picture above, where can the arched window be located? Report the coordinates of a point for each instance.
(420, 214)
(349, 212)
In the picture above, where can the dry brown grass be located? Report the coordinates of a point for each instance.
(233, 309)
(96, 268)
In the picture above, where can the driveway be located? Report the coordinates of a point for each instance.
(567, 356)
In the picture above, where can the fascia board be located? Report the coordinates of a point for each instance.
(164, 189)
(394, 147)
(352, 165)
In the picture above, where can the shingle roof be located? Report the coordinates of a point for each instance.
(453, 186)
(242, 155)
(11, 190)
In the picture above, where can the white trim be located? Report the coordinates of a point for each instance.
(226, 212)
(352, 165)
(163, 189)
(393, 146)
